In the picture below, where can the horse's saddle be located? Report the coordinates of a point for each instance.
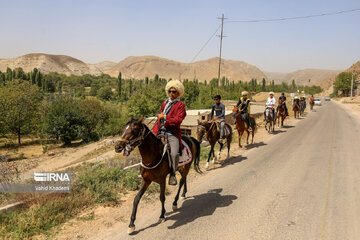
(226, 129)
(186, 154)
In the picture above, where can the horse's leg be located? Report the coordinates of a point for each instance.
(162, 199)
(228, 147)
(218, 155)
(211, 152)
(183, 195)
(182, 182)
(144, 185)
(252, 136)
(240, 135)
(247, 139)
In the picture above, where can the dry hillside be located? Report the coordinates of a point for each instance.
(50, 63)
(328, 82)
(302, 76)
(140, 67)
(105, 65)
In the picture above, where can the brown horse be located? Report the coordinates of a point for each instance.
(210, 131)
(241, 127)
(281, 113)
(154, 164)
(296, 108)
(312, 103)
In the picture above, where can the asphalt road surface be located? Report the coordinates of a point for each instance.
(302, 184)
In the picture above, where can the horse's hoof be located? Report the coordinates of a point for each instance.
(182, 197)
(174, 207)
(161, 220)
(207, 165)
(131, 230)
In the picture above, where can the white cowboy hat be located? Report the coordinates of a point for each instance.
(177, 85)
(244, 93)
(271, 93)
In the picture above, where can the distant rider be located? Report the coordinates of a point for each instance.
(219, 109)
(244, 104)
(270, 103)
(282, 99)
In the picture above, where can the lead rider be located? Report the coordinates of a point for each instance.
(171, 115)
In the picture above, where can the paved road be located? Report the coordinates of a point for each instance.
(303, 184)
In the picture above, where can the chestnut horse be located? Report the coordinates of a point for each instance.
(281, 113)
(296, 108)
(312, 103)
(154, 164)
(241, 127)
(210, 131)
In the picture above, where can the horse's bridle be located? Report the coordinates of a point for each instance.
(133, 143)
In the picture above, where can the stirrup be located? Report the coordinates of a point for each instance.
(250, 129)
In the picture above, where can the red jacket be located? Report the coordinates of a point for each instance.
(173, 119)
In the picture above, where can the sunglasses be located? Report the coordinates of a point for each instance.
(171, 91)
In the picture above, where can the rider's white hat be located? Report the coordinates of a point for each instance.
(271, 93)
(244, 93)
(177, 85)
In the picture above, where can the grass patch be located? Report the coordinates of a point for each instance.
(94, 184)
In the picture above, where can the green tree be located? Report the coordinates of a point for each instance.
(293, 85)
(147, 81)
(119, 83)
(139, 105)
(156, 78)
(105, 93)
(263, 86)
(94, 117)
(63, 120)
(343, 83)
(20, 102)
(38, 80)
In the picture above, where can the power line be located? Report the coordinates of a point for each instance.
(206, 43)
(294, 18)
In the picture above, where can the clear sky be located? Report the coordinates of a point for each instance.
(94, 31)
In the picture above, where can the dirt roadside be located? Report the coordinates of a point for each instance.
(98, 221)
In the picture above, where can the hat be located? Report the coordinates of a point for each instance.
(217, 97)
(271, 93)
(177, 85)
(244, 93)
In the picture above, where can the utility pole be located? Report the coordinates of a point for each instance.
(221, 37)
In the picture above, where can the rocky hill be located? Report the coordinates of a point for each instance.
(50, 63)
(140, 67)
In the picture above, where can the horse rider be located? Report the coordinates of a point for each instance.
(297, 101)
(282, 99)
(302, 99)
(270, 103)
(219, 109)
(312, 99)
(244, 104)
(171, 115)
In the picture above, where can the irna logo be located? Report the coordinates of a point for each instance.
(52, 177)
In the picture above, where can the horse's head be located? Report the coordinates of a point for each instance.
(235, 109)
(200, 131)
(133, 134)
(267, 112)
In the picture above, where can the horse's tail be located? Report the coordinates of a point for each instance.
(197, 157)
